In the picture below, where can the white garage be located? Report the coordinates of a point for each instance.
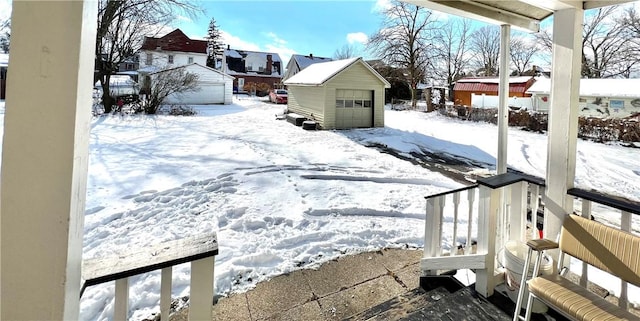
(215, 87)
(339, 94)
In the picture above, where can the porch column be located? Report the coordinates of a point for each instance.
(503, 96)
(563, 117)
(44, 158)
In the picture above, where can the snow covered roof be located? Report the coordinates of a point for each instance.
(595, 87)
(512, 80)
(306, 61)
(319, 73)
(119, 80)
(4, 60)
(234, 53)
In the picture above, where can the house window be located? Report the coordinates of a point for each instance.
(190, 60)
(250, 67)
(353, 98)
(149, 59)
(260, 69)
(170, 59)
(130, 67)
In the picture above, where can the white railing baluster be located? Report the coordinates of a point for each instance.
(471, 195)
(201, 297)
(429, 223)
(456, 205)
(165, 292)
(534, 203)
(121, 301)
(586, 213)
(439, 212)
(518, 213)
(625, 225)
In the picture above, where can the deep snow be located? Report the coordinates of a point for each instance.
(281, 198)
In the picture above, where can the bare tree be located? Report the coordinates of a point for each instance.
(5, 35)
(404, 41)
(609, 46)
(485, 43)
(522, 51)
(168, 82)
(453, 48)
(122, 25)
(631, 19)
(345, 52)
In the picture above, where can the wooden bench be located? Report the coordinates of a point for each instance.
(609, 249)
(200, 250)
(295, 119)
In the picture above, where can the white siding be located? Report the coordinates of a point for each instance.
(161, 58)
(356, 77)
(308, 102)
(215, 88)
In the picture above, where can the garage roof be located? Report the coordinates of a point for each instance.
(522, 14)
(319, 73)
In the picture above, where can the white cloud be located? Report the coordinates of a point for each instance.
(381, 5)
(183, 19)
(5, 9)
(275, 38)
(359, 37)
(237, 43)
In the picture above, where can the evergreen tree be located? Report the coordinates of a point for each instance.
(214, 44)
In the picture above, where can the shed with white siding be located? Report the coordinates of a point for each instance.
(339, 94)
(215, 87)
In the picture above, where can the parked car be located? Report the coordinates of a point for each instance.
(278, 96)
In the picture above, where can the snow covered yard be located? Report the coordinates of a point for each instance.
(281, 198)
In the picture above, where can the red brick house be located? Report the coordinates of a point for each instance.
(253, 69)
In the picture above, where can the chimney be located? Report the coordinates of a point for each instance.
(228, 47)
(269, 64)
(311, 55)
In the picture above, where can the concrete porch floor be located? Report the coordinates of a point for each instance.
(336, 290)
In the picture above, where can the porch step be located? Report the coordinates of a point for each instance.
(401, 306)
(439, 303)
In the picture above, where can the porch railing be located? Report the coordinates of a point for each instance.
(465, 228)
(482, 216)
(199, 250)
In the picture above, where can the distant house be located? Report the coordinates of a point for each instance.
(262, 69)
(175, 50)
(299, 62)
(339, 94)
(464, 88)
(598, 97)
(4, 64)
(215, 87)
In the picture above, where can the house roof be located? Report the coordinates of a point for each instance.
(235, 53)
(197, 65)
(306, 61)
(175, 41)
(595, 87)
(516, 84)
(319, 73)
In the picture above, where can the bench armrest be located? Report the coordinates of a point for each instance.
(542, 244)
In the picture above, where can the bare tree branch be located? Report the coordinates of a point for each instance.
(485, 43)
(404, 41)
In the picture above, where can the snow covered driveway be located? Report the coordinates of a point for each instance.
(279, 197)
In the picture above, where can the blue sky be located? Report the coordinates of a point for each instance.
(288, 27)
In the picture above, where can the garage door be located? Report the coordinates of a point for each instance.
(354, 108)
(209, 93)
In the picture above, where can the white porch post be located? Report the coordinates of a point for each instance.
(563, 117)
(503, 96)
(44, 158)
